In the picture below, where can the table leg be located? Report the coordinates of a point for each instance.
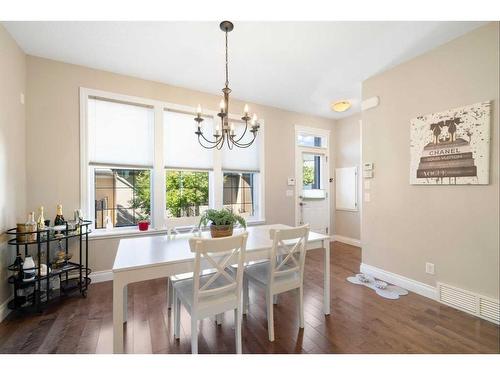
(118, 309)
(326, 276)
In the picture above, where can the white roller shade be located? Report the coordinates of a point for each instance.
(181, 147)
(120, 134)
(242, 159)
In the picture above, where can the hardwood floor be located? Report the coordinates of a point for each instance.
(360, 322)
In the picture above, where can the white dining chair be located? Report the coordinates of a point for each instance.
(204, 295)
(282, 273)
(176, 226)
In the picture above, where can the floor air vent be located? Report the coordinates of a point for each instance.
(483, 307)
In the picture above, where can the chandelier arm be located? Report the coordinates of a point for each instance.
(244, 132)
(245, 145)
(222, 143)
(203, 136)
(208, 147)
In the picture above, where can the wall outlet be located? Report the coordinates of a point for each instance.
(429, 268)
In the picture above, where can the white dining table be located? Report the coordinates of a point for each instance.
(159, 256)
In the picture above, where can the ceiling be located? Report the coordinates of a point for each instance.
(298, 66)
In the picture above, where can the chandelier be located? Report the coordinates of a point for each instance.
(225, 132)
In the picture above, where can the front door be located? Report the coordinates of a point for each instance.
(312, 189)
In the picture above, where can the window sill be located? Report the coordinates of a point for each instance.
(253, 222)
(101, 234)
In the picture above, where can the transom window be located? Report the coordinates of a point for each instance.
(142, 161)
(311, 140)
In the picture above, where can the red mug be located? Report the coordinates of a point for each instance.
(143, 225)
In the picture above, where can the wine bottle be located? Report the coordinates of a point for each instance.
(59, 220)
(41, 219)
(31, 227)
(40, 223)
(18, 266)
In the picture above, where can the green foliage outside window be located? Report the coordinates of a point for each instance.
(186, 192)
(307, 175)
(142, 196)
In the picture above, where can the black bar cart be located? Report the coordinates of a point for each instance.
(53, 275)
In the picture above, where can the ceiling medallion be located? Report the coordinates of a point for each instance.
(225, 133)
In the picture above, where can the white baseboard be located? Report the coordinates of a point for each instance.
(404, 282)
(347, 240)
(101, 276)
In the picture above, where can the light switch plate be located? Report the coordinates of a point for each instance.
(367, 184)
(367, 197)
(368, 174)
(429, 268)
(289, 193)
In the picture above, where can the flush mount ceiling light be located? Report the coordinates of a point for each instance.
(226, 132)
(341, 105)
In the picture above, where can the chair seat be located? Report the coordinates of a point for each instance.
(208, 305)
(260, 273)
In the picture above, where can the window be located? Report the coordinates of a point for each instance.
(122, 195)
(241, 175)
(187, 193)
(310, 140)
(141, 160)
(239, 192)
(187, 173)
(311, 171)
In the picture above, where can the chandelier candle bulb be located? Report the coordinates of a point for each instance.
(245, 110)
(222, 105)
(198, 110)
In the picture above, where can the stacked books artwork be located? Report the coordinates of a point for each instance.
(451, 147)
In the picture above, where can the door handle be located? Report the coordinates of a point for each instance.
(302, 204)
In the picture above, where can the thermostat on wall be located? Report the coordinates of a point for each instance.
(291, 181)
(368, 166)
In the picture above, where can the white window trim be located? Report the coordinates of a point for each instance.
(158, 202)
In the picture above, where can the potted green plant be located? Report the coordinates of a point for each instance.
(221, 222)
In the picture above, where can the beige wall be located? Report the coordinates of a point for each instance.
(454, 227)
(53, 138)
(12, 149)
(347, 154)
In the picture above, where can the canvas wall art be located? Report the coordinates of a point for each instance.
(451, 147)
